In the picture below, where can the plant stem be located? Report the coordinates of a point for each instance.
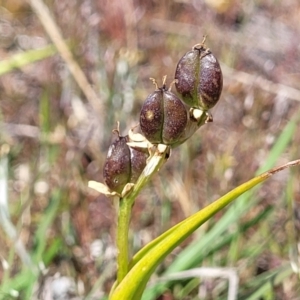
(122, 238)
(125, 205)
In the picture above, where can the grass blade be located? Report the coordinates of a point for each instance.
(130, 287)
(22, 59)
(194, 253)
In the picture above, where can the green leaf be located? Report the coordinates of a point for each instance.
(47, 220)
(23, 281)
(265, 282)
(22, 59)
(135, 281)
(194, 253)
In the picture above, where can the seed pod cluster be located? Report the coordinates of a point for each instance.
(199, 78)
(123, 164)
(163, 117)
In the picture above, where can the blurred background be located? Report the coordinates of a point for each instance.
(56, 235)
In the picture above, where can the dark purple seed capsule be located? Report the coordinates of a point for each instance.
(117, 169)
(138, 159)
(163, 117)
(123, 164)
(199, 78)
(152, 117)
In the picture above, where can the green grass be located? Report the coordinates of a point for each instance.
(21, 60)
(208, 243)
(51, 233)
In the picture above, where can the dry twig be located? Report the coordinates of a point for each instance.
(54, 33)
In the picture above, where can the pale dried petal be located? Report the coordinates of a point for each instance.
(136, 137)
(101, 188)
(143, 145)
(127, 188)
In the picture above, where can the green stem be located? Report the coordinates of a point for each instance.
(125, 205)
(122, 238)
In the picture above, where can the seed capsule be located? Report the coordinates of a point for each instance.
(123, 164)
(199, 78)
(138, 158)
(163, 116)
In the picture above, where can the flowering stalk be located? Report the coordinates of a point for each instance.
(125, 204)
(127, 197)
